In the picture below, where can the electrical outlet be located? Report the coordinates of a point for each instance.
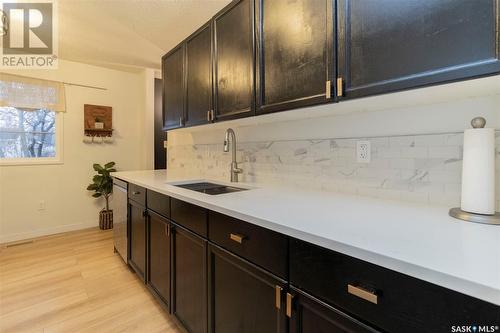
(41, 205)
(363, 151)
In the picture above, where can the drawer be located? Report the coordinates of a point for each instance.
(159, 203)
(261, 246)
(387, 299)
(189, 216)
(137, 193)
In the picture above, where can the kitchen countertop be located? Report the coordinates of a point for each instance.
(415, 239)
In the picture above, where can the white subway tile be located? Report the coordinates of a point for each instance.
(415, 152)
(445, 199)
(444, 176)
(423, 168)
(453, 187)
(402, 163)
(402, 141)
(454, 140)
(450, 152)
(389, 152)
(430, 140)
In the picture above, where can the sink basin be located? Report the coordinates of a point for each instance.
(210, 188)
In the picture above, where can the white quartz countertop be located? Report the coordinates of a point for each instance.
(415, 239)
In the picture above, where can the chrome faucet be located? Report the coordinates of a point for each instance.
(234, 165)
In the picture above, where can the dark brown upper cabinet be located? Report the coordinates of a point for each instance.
(199, 76)
(295, 56)
(390, 45)
(173, 88)
(234, 55)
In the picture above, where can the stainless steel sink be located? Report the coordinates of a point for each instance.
(210, 188)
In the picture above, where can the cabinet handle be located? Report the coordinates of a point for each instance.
(278, 290)
(209, 116)
(289, 299)
(328, 89)
(167, 230)
(365, 294)
(136, 193)
(340, 87)
(237, 238)
(145, 213)
(212, 115)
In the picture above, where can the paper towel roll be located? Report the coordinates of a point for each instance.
(478, 174)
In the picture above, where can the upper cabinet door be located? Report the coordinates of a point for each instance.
(295, 53)
(173, 88)
(234, 60)
(389, 45)
(199, 76)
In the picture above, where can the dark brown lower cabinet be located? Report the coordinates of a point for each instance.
(310, 315)
(242, 297)
(189, 304)
(137, 236)
(159, 257)
(211, 289)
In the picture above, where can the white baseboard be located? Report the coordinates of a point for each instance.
(46, 231)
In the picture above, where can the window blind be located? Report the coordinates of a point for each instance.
(31, 94)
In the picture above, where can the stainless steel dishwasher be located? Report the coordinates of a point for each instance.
(120, 212)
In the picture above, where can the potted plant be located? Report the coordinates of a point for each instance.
(102, 185)
(98, 123)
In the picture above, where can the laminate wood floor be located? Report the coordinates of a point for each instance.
(74, 282)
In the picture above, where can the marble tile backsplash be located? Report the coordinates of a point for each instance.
(421, 168)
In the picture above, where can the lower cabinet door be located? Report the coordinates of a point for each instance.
(189, 304)
(159, 257)
(242, 297)
(310, 315)
(137, 243)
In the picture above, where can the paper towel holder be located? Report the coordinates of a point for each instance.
(473, 217)
(458, 213)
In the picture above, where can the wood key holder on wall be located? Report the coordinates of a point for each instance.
(98, 121)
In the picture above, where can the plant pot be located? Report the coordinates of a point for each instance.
(106, 219)
(98, 125)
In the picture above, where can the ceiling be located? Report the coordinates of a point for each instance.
(128, 34)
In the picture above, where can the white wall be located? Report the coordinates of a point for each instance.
(68, 205)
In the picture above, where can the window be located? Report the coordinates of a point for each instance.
(28, 136)
(30, 116)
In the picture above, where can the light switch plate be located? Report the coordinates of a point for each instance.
(165, 144)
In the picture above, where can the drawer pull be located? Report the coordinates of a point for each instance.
(289, 299)
(278, 297)
(136, 193)
(367, 295)
(237, 238)
(167, 230)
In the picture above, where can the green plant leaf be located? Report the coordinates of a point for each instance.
(97, 167)
(92, 187)
(103, 182)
